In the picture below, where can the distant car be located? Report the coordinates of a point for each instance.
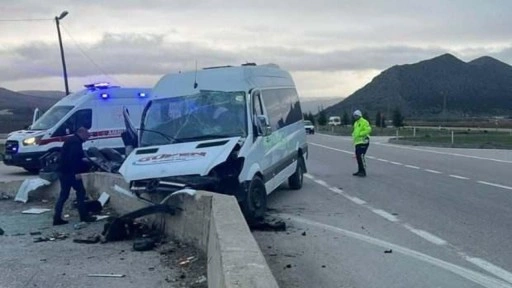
(310, 128)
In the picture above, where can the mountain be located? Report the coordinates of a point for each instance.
(481, 87)
(14, 101)
(17, 109)
(312, 104)
(45, 94)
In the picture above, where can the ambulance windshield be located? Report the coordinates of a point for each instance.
(51, 117)
(205, 115)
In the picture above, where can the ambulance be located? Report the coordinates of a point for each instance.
(98, 107)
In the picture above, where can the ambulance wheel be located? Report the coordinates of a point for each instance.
(32, 170)
(295, 181)
(254, 205)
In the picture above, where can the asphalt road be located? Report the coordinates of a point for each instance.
(444, 214)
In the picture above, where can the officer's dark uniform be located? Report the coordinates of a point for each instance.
(71, 164)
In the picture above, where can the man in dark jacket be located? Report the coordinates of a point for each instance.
(70, 168)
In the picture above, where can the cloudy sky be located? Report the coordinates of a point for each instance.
(332, 47)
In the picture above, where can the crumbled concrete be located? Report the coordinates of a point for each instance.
(63, 263)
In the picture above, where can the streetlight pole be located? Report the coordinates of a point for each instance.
(57, 19)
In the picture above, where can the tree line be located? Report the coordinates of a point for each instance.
(380, 119)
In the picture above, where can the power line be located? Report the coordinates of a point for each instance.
(26, 20)
(87, 56)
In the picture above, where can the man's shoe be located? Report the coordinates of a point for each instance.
(356, 174)
(89, 219)
(59, 222)
(360, 174)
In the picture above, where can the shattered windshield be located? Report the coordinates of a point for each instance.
(201, 116)
(51, 117)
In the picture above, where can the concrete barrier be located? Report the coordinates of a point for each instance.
(212, 222)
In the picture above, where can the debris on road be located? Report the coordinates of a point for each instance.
(187, 261)
(388, 251)
(201, 280)
(304, 233)
(104, 197)
(107, 275)
(28, 186)
(35, 233)
(144, 244)
(289, 266)
(4, 196)
(268, 225)
(1, 232)
(80, 225)
(36, 211)
(89, 240)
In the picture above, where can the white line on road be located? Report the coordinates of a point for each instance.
(386, 215)
(356, 200)
(495, 185)
(337, 190)
(370, 157)
(491, 268)
(383, 160)
(322, 182)
(445, 153)
(459, 177)
(335, 149)
(426, 235)
(396, 163)
(476, 277)
(412, 167)
(433, 171)
(309, 176)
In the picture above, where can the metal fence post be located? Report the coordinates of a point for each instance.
(452, 137)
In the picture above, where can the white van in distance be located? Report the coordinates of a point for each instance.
(231, 130)
(98, 107)
(334, 121)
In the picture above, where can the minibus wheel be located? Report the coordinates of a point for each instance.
(295, 181)
(254, 205)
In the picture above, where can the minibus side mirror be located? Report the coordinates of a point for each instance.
(264, 128)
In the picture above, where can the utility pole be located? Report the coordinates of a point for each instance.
(57, 19)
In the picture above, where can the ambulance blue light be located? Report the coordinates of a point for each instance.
(142, 94)
(104, 95)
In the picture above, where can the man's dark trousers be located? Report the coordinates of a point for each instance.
(360, 153)
(68, 181)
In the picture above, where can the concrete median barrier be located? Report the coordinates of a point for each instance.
(212, 222)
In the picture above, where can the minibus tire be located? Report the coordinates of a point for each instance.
(254, 205)
(295, 181)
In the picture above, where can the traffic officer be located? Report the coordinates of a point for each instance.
(361, 137)
(70, 167)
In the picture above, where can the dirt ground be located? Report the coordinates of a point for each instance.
(60, 262)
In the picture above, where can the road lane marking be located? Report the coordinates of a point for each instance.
(491, 268)
(396, 163)
(335, 149)
(433, 171)
(446, 153)
(428, 150)
(309, 176)
(386, 215)
(459, 177)
(336, 190)
(371, 157)
(383, 160)
(495, 185)
(356, 200)
(474, 276)
(426, 235)
(322, 182)
(412, 167)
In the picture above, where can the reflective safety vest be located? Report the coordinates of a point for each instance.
(362, 130)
